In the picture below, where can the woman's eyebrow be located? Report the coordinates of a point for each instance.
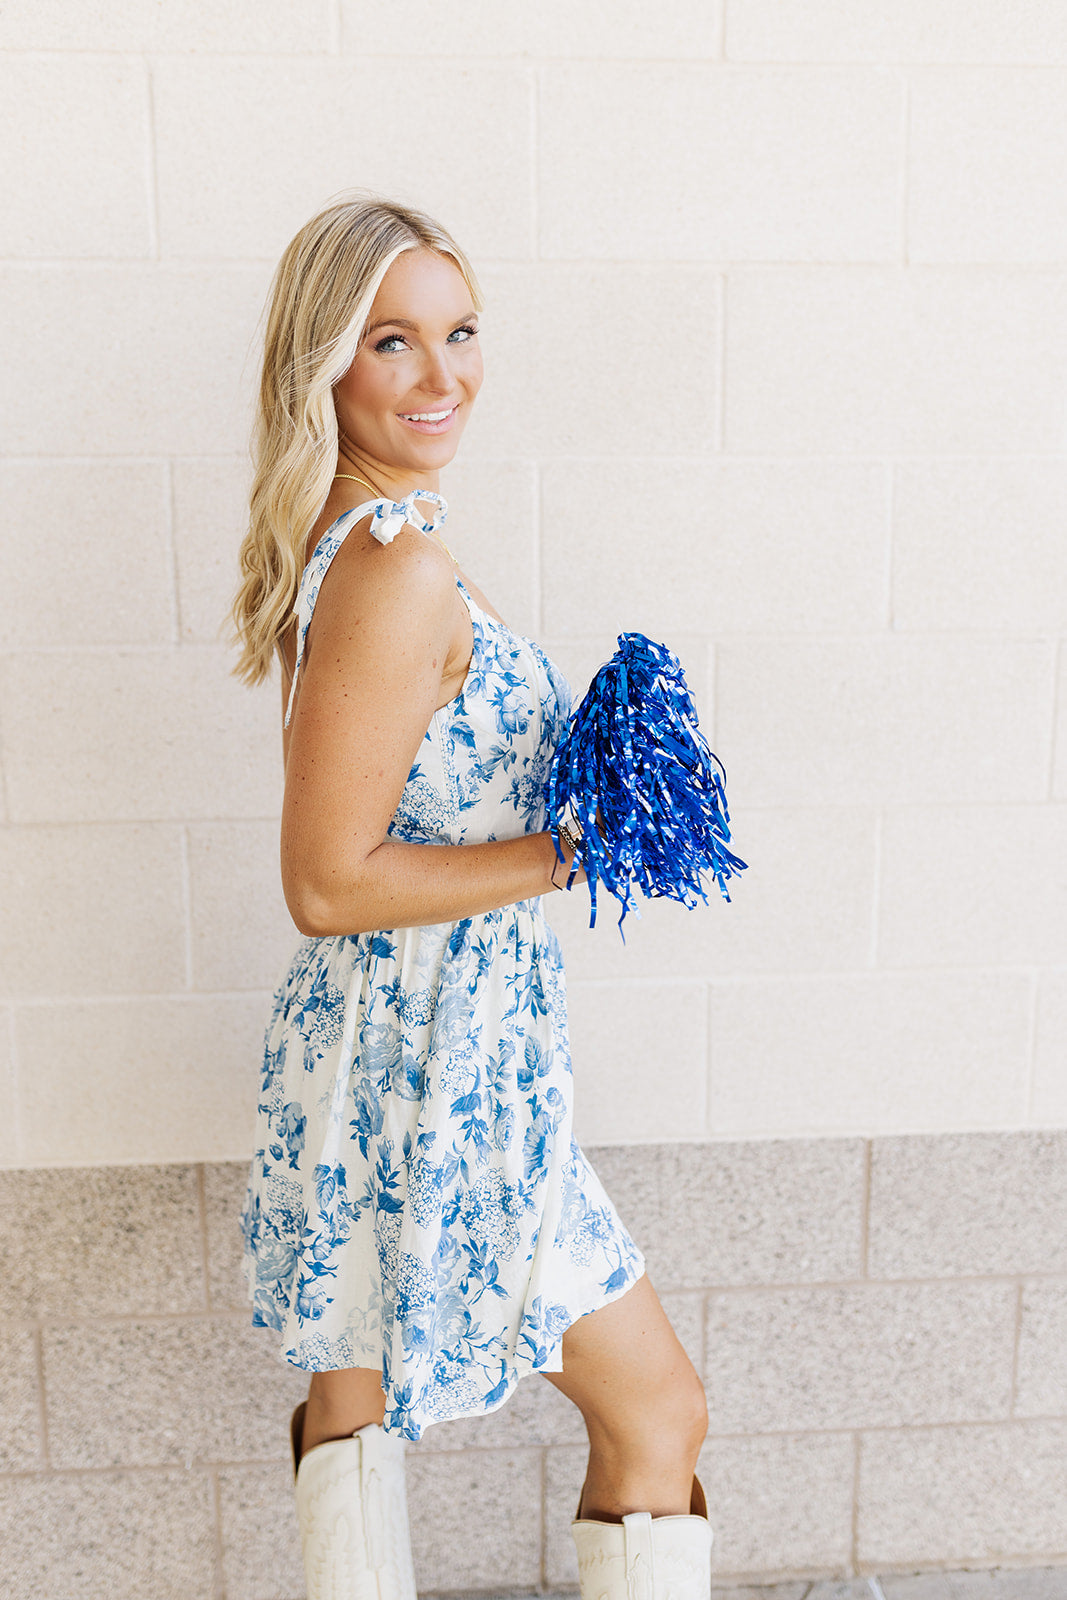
(402, 322)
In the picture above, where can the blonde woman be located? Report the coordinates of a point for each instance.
(422, 1230)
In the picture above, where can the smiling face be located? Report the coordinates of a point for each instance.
(404, 402)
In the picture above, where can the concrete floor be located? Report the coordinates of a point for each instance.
(1038, 1583)
(1032, 1583)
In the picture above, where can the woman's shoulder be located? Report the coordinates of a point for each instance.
(411, 571)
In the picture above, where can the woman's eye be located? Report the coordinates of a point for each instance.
(392, 342)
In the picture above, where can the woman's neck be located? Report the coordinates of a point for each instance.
(391, 483)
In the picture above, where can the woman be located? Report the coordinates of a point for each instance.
(421, 1228)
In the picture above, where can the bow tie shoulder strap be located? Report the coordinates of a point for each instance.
(389, 516)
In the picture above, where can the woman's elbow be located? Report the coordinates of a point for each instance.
(318, 913)
(312, 920)
(333, 897)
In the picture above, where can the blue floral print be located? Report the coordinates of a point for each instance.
(417, 1201)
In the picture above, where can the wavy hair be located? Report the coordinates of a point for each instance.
(317, 312)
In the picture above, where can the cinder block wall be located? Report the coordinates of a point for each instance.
(777, 351)
(882, 1326)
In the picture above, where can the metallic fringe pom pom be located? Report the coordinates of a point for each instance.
(636, 774)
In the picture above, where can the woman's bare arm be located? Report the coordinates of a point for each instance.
(370, 682)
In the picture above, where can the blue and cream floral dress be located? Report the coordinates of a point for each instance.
(417, 1200)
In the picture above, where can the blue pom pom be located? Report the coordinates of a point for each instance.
(635, 772)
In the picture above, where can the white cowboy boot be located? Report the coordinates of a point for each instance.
(645, 1557)
(352, 1508)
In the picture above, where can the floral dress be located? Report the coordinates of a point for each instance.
(417, 1200)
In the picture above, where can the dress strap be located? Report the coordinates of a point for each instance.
(388, 519)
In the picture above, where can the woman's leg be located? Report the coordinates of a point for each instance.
(340, 1402)
(643, 1405)
(350, 1495)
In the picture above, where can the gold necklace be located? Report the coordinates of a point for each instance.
(357, 479)
(370, 486)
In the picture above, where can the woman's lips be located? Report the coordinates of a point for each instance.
(429, 421)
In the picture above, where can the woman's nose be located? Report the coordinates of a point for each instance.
(437, 373)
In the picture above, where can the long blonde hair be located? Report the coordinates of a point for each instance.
(320, 300)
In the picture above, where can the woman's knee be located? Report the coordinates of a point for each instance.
(626, 1370)
(664, 1418)
(682, 1408)
(698, 1412)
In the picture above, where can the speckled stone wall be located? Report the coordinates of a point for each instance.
(881, 1326)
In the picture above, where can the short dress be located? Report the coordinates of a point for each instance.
(417, 1200)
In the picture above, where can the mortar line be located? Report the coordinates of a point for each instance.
(336, 26)
(905, 168)
(717, 1136)
(5, 795)
(856, 1281)
(1017, 1340)
(185, 1464)
(171, 545)
(119, 457)
(187, 903)
(236, 1316)
(164, 648)
(589, 458)
(141, 822)
(719, 437)
(865, 1212)
(854, 1533)
(46, 1002)
(1059, 665)
(152, 173)
(535, 162)
(709, 1000)
(1031, 1044)
(186, 264)
(219, 1584)
(150, 1319)
(720, 33)
(16, 1081)
(876, 892)
(709, 61)
(538, 556)
(763, 635)
(205, 1254)
(807, 976)
(51, 1002)
(544, 1518)
(892, 486)
(42, 1403)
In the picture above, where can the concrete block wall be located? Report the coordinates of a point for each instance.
(777, 349)
(881, 1325)
(777, 362)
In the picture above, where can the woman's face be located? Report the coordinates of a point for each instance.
(405, 400)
